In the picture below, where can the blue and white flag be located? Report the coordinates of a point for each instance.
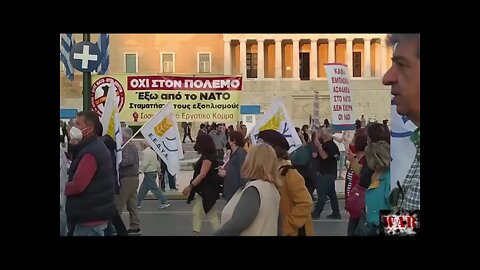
(402, 149)
(103, 43)
(66, 44)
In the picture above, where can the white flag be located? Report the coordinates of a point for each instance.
(402, 149)
(162, 134)
(316, 112)
(276, 118)
(111, 123)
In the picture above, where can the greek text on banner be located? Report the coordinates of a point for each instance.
(195, 99)
(340, 96)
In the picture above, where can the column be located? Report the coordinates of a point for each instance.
(278, 58)
(227, 58)
(260, 59)
(383, 56)
(348, 56)
(243, 57)
(296, 59)
(366, 60)
(377, 60)
(313, 59)
(331, 50)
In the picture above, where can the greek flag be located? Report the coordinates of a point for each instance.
(66, 44)
(103, 43)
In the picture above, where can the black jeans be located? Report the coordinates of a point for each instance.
(171, 179)
(189, 135)
(118, 224)
(307, 175)
(220, 155)
(352, 226)
(325, 185)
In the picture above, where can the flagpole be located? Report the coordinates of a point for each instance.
(87, 82)
(140, 129)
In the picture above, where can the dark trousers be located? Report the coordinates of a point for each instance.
(71, 228)
(220, 155)
(308, 176)
(325, 185)
(352, 226)
(189, 135)
(171, 178)
(118, 225)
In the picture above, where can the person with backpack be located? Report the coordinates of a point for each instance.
(377, 195)
(375, 132)
(354, 193)
(295, 200)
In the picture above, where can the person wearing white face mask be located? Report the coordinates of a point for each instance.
(90, 189)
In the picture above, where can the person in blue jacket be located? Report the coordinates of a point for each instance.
(377, 196)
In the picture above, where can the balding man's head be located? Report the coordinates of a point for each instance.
(127, 133)
(144, 144)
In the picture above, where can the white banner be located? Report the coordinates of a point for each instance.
(162, 134)
(111, 123)
(316, 112)
(276, 118)
(402, 148)
(340, 96)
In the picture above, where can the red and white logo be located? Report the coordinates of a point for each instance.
(99, 93)
(400, 223)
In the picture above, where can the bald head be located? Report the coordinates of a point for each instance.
(144, 144)
(127, 133)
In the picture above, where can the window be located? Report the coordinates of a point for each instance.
(304, 66)
(204, 62)
(357, 64)
(252, 65)
(167, 61)
(131, 62)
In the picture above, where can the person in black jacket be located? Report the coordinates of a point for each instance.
(90, 189)
(205, 183)
(116, 221)
(187, 132)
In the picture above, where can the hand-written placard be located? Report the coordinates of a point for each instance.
(340, 94)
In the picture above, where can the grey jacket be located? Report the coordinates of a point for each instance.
(233, 181)
(220, 140)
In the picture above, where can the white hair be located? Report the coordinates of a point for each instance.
(127, 132)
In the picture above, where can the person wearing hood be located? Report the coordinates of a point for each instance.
(295, 200)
